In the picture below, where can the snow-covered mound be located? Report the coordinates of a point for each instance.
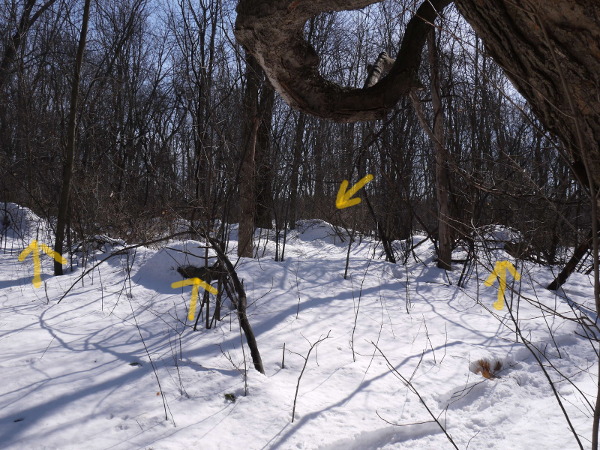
(497, 235)
(157, 269)
(19, 223)
(315, 229)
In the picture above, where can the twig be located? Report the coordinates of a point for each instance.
(321, 339)
(51, 341)
(429, 340)
(534, 353)
(236, 366)
(283, 357)
(414, 391)
(165, 406)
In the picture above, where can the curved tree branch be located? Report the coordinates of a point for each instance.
(271, 30)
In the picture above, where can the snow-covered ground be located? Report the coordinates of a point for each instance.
(115, 365)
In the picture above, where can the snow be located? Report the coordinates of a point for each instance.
(82, 372)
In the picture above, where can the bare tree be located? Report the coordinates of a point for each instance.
(65, 193)
(438, 139)
(442, 177)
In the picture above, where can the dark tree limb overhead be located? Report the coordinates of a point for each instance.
(271, 30)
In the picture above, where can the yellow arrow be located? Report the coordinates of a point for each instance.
(34, 248)
(195, 282)
(499, 272)
(343, 198)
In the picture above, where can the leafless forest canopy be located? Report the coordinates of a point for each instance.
(167, 102)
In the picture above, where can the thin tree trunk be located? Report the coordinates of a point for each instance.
(385, 241)
(442, 181)
(569, 268)
(240, 304)
(319, 176)
(63, 205)
(294, 182)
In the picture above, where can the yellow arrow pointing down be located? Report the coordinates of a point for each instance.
(343, 199)
(499, 272)
(195, 282)
(34, 248)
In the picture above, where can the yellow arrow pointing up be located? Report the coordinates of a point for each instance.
(499, 272)
(34, 248)
(195, 282)
(343, 199)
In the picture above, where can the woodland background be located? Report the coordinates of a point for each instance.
(166, 102)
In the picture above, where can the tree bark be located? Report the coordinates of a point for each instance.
(246, 187)
(382, 65)
(442, 178)
(247, 169)
(551, 53)
(264, 164)
(65, 193)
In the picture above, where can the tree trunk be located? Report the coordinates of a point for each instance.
(319, 170)
(442, 178)
(65, 193)
(295, 175)
(246, 187)
(247, 169)
(264, 164)
(240, 303)
(272, 31)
